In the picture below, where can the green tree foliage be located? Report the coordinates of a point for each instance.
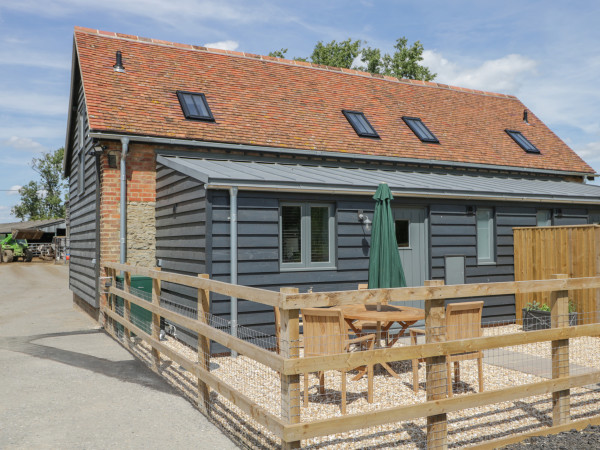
(44, 198)
(336, 54)
(405, 62)
(278, 53)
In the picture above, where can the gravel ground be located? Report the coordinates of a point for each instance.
(588, 438)
(465, 428)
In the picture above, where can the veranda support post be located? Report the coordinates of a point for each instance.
(156, 319)
(290, 384)
(435, 331)
(559, 304)
(203, 348)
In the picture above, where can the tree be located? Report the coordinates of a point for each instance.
(403, 63)
(336, 54)
(44, 199)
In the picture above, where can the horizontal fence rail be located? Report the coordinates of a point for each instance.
(289, 361)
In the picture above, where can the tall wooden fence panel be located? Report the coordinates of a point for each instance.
(574, 250)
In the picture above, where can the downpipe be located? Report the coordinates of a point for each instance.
(123, 203)
(233, 245)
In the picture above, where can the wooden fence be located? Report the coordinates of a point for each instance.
(288, 363)
(573, 250)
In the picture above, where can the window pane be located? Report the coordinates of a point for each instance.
(402, 231)
(544, 218)
(191, 106)
(291, 234)
(319, 234)
(200, 107)
(422, 132)
(485, 236)
(359, 123)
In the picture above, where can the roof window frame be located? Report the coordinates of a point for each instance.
(515, 135)
(187, 113)
(409, 121)
(348, 113)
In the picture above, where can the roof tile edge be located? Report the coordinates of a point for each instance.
(432, 84)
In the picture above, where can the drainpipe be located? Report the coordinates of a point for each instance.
(233, 245)
(123, 227)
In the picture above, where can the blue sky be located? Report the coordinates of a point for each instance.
(545, 52)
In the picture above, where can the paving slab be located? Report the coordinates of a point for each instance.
(64, 383)
(528, 363)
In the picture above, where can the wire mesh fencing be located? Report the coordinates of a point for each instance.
(393, 371)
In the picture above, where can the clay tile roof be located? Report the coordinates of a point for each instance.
(266, 101)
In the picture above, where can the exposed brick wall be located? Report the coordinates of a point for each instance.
(141, 198)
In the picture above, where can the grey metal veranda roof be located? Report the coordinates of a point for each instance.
(405, 182)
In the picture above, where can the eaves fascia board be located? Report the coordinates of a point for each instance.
(320, 153)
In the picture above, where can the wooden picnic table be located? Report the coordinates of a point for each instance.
(383, 316)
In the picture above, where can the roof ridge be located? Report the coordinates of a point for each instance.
(110, 34)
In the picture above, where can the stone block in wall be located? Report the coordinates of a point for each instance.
(141, 234)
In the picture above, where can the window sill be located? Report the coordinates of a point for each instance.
(487, 263)
(305, 269)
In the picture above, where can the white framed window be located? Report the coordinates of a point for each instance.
(485, 236)
(306, 232)
(543, 218)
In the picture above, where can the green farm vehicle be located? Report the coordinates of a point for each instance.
(13, 249)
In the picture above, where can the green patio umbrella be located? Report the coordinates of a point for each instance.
(385, 268)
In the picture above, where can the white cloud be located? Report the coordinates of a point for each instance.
(23, 143)
(172, 13)
(14, 190)
(15, 55)
(223, 45)
(31, 102)
(506, 74)
(590, 152)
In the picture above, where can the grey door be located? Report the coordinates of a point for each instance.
(412, 236)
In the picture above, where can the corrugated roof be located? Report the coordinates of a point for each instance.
(354, 179)
(276, 103)
(29, 225)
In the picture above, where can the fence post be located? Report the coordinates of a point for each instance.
(437, 388)
(156, 286)
(559, 303)
(203, 347)
(290, 384)
(127, 306)
(112, 299)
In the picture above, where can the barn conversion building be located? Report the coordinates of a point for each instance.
(261, 171)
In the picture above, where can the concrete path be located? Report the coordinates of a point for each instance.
(528, 363)
(65, 384)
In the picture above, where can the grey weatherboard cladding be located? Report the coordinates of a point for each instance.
(83, 273)
(180, 239)
(452, 232)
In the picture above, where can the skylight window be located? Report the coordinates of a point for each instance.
(418, 127)
(194, 106)
(522, 141)
(360, 124)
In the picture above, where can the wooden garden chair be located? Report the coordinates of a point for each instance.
(463, 321)
(326, 333)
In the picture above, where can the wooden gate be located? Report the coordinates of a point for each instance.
(573, 250)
